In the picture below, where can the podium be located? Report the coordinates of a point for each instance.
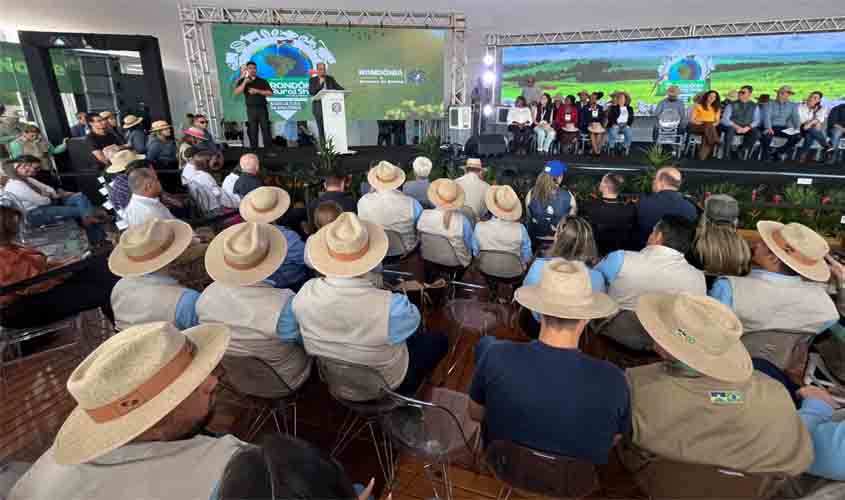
(334, 118)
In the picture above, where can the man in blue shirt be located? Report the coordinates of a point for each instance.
(828, 434)
(542, 394)
(781, 118)
(666, 200)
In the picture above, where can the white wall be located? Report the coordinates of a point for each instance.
(159, 18)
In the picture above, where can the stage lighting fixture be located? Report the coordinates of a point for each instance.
(488, 60)
(489, 77)
(488, 110)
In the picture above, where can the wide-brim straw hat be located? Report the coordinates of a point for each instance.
(797, 246)
(121, 160)
(473, 163)
(503, 202)
(148, 247)
(698, 331)
(131, 382)
(264, 204)
(446, 193)
(565, 291)
(596, 128)
(159, 125)
(385, 176)
(245, 254)
(347, 247)
(105, 115)
(570, 127)
(130, 121)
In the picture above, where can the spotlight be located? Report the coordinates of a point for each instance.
(488, 78)
(488, 60)
(488, 110)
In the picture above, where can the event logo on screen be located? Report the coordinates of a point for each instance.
(689, 72)
(286, 59)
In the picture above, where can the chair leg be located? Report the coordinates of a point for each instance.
(345, 432)
(384, 454)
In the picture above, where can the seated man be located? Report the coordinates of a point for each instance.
(503, 232)
(474, 187)
(542, 394)
(741, 117)
(228, 185)
(147, 291)
(614, 221)
(335, 190)
(268, 204)
(328, 314)
(664, 200)
(836, 127)
(249, 179)
(240, 259)
(389, 208)
(121, 164)
(145, 203)
(659, 267)
(143, 398)
(782, 120)
(705, 404)
(828, 434)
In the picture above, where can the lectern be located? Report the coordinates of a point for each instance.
(334, 118)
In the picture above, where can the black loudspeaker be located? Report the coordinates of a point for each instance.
(486, 145)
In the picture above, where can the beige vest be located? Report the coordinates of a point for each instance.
(474, 189)
(38, 148)
(252, 312)
(392, 210)
(431, 221)
(654, 269)
(184, 470)
(500, 235)
(750, 426)
(347, 319)
(145, 299)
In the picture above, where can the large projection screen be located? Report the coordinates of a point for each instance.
(807, 62)
(392, 73)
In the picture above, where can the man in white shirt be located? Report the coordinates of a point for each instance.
(474, 186)
(229, 185)
(145, 203)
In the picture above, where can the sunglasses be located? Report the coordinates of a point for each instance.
(203, 122)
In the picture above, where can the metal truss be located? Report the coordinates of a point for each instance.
(780, 27)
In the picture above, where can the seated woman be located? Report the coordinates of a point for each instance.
(447, 220)
(504, 232)
(32, 142)
(53, 299)
(706, 115)
(813, 118)
(547, 203)
(212, 197)
(594, 120)
(620, 118)
(45, 205)
(520, 120)
(161, 147)
(136, 137)
(566, 122)
(718, 249)
(543, 128)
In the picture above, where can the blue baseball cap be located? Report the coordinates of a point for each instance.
(555, 168)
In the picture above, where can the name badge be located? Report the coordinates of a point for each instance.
(727, 397)
(595, 113)
(567, 117)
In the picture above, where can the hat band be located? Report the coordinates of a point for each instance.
(792, 251)
(349, 257)
(247, 267)
(158, 252)
(160, 381)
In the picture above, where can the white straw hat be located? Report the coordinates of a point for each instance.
(797, 246)
(121, 160)
(347, 247)
(565, 291)
(150, 246)
(385, 176)
(446, 193)
(246, 253)
(264, 204)
(130, 121)
(474, 163)
(503, 202)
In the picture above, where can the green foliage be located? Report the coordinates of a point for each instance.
(326, 159)
(429, 146)
(801, 195)
(657, 157)
(584, 188)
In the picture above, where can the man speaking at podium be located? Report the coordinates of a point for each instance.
(255, 90)
(321, 81)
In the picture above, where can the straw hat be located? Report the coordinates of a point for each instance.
(105, 115)
(347, 247)
(785, 88)
(130, 121)
(132, 381)
(474, 163)
(565, 291)
(121, 160)
(446, 193)
(797, 246)
(733, 95)
(194, 132)
(264, 204)
(385, 176)
(570, 127)
(699, 331)
(503, 202)
(596, 128)
(159, 125)
(245, 254)
(673, 91)
(150, 246)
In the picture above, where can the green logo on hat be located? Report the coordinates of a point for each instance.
(727, 398)
(680, 332)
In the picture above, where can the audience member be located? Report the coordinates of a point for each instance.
(718, 249)
(228, 185)
(741, 117)
(326, 213)
(566, 120)
(530, 93)
(136, 138)
(80, 128)
(189, 145)
(594, 121)
(474, 187)
(32, 143)
(143, 397)
(120, 193)
(248, 180)
(335, 190)
(547, 202)
(145, 203)
(706, 115)
(659, 267)
(563, 415)
(620, 118)
(418, 188)
(202, 185)
(112, 127)
(614, 221)
(672, 102)
(813, 118)
(201, 122)
(448, 220)
(836, 125)
(161, 147)
(582, 104)
(240, 259)
(503, 232)
(723, 413)
(99, 139)
(543, 124)
(664, 200)
(782, 120)
(519, 125)
(391, 209)
(827, 433)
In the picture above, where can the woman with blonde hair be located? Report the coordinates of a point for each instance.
(447, 220)
(547, 203)
(718, 249)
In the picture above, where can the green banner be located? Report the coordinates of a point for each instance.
(14, 76)
(391, 73)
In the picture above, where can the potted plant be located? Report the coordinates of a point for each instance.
(655, 157)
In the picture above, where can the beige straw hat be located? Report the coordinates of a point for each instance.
(797, 246)
(446, 193)
(565, 291)
(347, 247)
(150, 246)
(245, 254)
(698, 331)
(264, 204)
(503, 202)
(385, 176)
(474, 163)
(159, 125)
(105, 115)
(121, 160)
(596, 128)
(570, 127)
(132, 381)
(130, 121)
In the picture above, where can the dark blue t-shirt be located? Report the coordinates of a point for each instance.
(559, 401)
(652, 208)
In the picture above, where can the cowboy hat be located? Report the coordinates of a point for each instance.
(159, 125)
(673, 91)
(565, 291)
(503, 202)
(797, 246)
(105, 115)
(473, 163)
(785, 88)
(148, 247)
(347, 247)
(130, 121)
(596, 128)
(385, 176)
(131, 382)
(733, 95)
(570, 127)
(698, 331)
(446, 193)
(264, 204)
(121, 160)
(194, 132)
(245, 254)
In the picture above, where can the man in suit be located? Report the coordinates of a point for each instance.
(317, 83)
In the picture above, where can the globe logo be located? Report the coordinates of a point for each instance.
(282, 60)
(687, 68)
